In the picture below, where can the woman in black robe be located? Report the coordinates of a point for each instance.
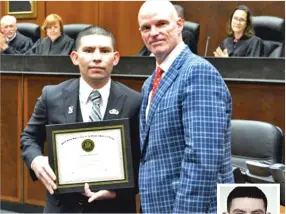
(241, 41)
(56, 42)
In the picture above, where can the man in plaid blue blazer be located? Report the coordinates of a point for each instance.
(185, 125)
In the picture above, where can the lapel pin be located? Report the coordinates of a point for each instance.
(113, 111)
(70, 111)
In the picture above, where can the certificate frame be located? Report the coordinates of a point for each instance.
(119, 125)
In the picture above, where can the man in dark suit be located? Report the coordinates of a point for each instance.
(70, 102)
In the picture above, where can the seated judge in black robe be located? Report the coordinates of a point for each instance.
(241, 41)
(11, 41)
(56, 42)
(19, 44)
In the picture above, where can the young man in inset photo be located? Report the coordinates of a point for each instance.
(246, 200)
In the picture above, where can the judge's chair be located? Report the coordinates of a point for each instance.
(72, 30)
(256, 142)
(194, 28)
(30, 30)
(272, 30)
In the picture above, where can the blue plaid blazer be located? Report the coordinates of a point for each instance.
(185, 140)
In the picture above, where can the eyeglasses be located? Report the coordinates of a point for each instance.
(240, 20)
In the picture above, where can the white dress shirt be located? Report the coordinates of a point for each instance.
(86, 103)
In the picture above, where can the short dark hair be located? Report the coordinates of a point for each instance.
(180, 11)
(249, 30)
(94, 30)
(246, 192)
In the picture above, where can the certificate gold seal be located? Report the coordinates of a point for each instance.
(87, 145)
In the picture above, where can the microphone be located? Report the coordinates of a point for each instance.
(207, 45)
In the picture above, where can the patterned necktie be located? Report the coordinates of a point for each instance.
(95, 110)
(156, 81)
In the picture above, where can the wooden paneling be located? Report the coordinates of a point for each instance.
(266, 8)
(2, 8)
(132, 82)
(34, 192)
(213, 16)
(11, 127)
(251, 101)
(74, 12)
(120, 17)
(40, 13)
(263, 102)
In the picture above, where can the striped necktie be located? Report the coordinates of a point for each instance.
(95, 110)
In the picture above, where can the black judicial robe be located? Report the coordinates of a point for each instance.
(63, 45)
(188, 38)
(244, 47)
(19, 45)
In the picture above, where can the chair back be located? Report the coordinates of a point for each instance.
(272, 30)
(30, 30)
(194, 29)
(255, 140)
(72, 30)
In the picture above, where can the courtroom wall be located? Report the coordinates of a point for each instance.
(120, 17)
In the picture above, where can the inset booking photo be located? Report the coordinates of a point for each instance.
(248, 198)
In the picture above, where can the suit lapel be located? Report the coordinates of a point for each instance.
(164, 85)
(70, 98)
(145, 103)
(115, 102)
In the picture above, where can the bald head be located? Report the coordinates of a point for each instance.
(8, 26)
(158, 7)
(160, 28)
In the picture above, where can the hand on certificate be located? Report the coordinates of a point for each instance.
(99, 195)
(43, 171)
(219, 53)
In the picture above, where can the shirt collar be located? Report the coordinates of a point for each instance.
(85, 90)
(9, 40)
(57, 39)
(168, 61)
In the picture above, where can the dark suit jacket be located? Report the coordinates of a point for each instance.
(52, 108)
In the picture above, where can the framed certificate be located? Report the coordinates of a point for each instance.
(97, 153)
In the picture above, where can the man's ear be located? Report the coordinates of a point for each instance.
(225, 213)
(180, 23)
(74, 57)
(116, 58)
